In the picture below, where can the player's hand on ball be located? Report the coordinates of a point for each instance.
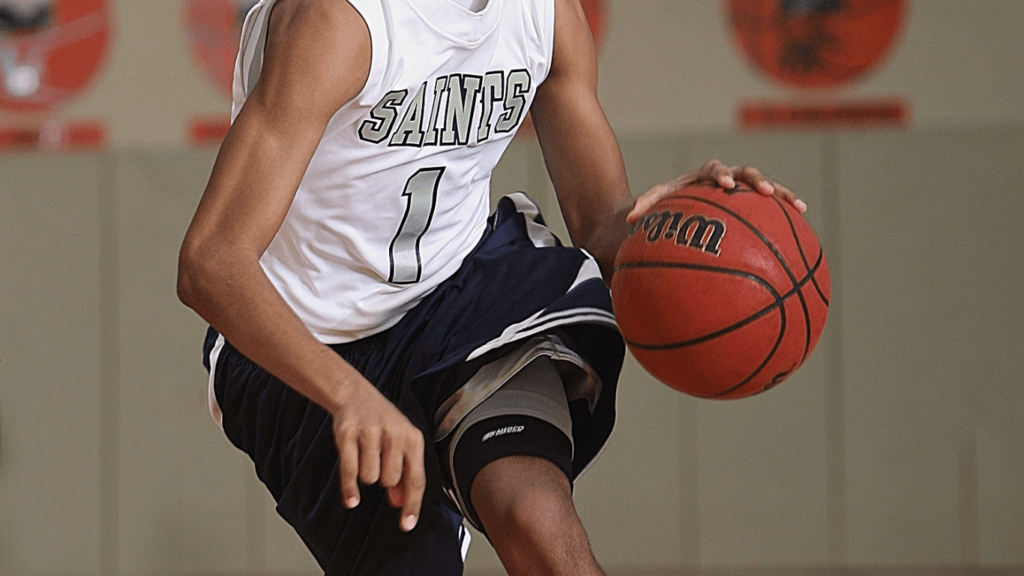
(377, 443)
(724, 176)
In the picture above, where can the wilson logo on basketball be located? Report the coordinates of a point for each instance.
(693, 231)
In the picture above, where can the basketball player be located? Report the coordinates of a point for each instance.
(393, 360)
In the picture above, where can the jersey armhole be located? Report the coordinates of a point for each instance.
(254, 39)
(549, 34)
(379, 26)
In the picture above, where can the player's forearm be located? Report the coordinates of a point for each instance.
(602, 238)
(587, 170)
(596, 220)
(237, 299)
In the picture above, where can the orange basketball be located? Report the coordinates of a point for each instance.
(721, 293)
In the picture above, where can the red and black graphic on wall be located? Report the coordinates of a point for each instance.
(815, 43)
(50, 50)
(214, 28)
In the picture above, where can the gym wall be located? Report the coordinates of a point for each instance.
(897, 448)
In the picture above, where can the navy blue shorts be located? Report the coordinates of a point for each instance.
(517, 288)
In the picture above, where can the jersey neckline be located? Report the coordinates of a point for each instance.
(458, 24)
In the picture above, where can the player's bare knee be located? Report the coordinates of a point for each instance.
(526, 496)
(535, 530)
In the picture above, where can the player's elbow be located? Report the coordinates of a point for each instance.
(188, 278)
(197, 271)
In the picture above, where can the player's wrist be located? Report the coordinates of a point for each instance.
(328, 380)
(339, 394)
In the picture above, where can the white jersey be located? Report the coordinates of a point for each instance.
(397, 192)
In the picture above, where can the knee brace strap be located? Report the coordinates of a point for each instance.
(528, 416)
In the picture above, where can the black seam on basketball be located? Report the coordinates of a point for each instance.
(764, 239)
(807, 325)
(782, 261)
(778, 300)
(798, 290)
(792, 230)
(800, 249)
(703, 267)
(807, 267)
(821, 294)
(778, 304)
(767, 359)
(686, 343)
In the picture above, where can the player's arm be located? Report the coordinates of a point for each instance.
(316, 59)
(582, 154)
(580, 150)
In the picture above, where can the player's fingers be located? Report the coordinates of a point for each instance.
(348, 468)
(645, 201)
(756, 180)
(717, 172)
(369, 456)
(790, 197)
(390, 465)
(651, 197)
(414, 481)
(752, 177)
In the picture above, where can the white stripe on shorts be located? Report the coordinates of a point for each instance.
(211, 397)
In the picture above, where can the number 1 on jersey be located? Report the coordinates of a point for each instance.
(420, 198)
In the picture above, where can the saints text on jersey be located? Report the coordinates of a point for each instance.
(462, 107)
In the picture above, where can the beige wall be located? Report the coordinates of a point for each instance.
(898, 444)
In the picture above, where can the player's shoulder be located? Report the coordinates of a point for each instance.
(331, 19)
(333, 25)
(316, 55)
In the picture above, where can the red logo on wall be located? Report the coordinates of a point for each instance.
(815, 43)
(49, 50)
(214, 28)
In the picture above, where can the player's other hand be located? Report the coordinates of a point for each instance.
(377, 443)
(724, 176)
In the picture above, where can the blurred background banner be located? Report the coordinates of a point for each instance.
(815, 43)
(213, 28)
(51, 52)
(817, 48)
(666, 66)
